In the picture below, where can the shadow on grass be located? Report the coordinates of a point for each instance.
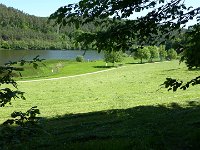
(134, 63)
(172, 70)
(146, 62)
(142, 127)
(103, 66)
(194, 69)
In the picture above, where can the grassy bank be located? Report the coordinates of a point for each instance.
(60, 68)
(123, 108)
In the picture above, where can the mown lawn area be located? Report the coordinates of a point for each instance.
(124, 108)
(60, 68)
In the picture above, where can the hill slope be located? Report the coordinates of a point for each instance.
(19, 30)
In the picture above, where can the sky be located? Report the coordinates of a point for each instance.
(44, 8)
(41, 8)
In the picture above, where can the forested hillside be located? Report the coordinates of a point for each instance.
(19, 30)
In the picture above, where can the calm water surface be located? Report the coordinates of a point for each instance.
(15, 55)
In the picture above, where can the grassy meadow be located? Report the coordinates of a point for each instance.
(60, 68)
(124, 108)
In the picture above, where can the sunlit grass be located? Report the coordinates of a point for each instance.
(60, 68)
(125, 87)
(123, 108)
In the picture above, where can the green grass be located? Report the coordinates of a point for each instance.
(123, 108)
(58, 68)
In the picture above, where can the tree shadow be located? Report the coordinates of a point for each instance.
(143, 127)
(133, 63)
(194, 69)
(104, 66)
(145, 62)
(175, 69)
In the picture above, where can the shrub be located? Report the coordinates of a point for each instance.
(113, 56)
(79, 58)
(171, 54)
(5, 45)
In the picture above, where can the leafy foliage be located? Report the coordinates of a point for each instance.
(143, 53)
(121, 34)
(25, 121)
(6, 77)
(113, 56)
(153, 52)
(79, 58)
(171, 54)
(26, 126)
(191, 54)
(174, 84)
(7, 94)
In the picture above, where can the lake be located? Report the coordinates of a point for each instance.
(16, 55)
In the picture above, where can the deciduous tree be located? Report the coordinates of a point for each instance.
(120, 32)
(153, 52)
(113, 56)
(143, 53)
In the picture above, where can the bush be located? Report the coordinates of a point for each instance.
(79, 58)
(113, 56)
(4, 45)
(171, 54)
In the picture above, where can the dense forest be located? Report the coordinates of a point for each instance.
(19, 30)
